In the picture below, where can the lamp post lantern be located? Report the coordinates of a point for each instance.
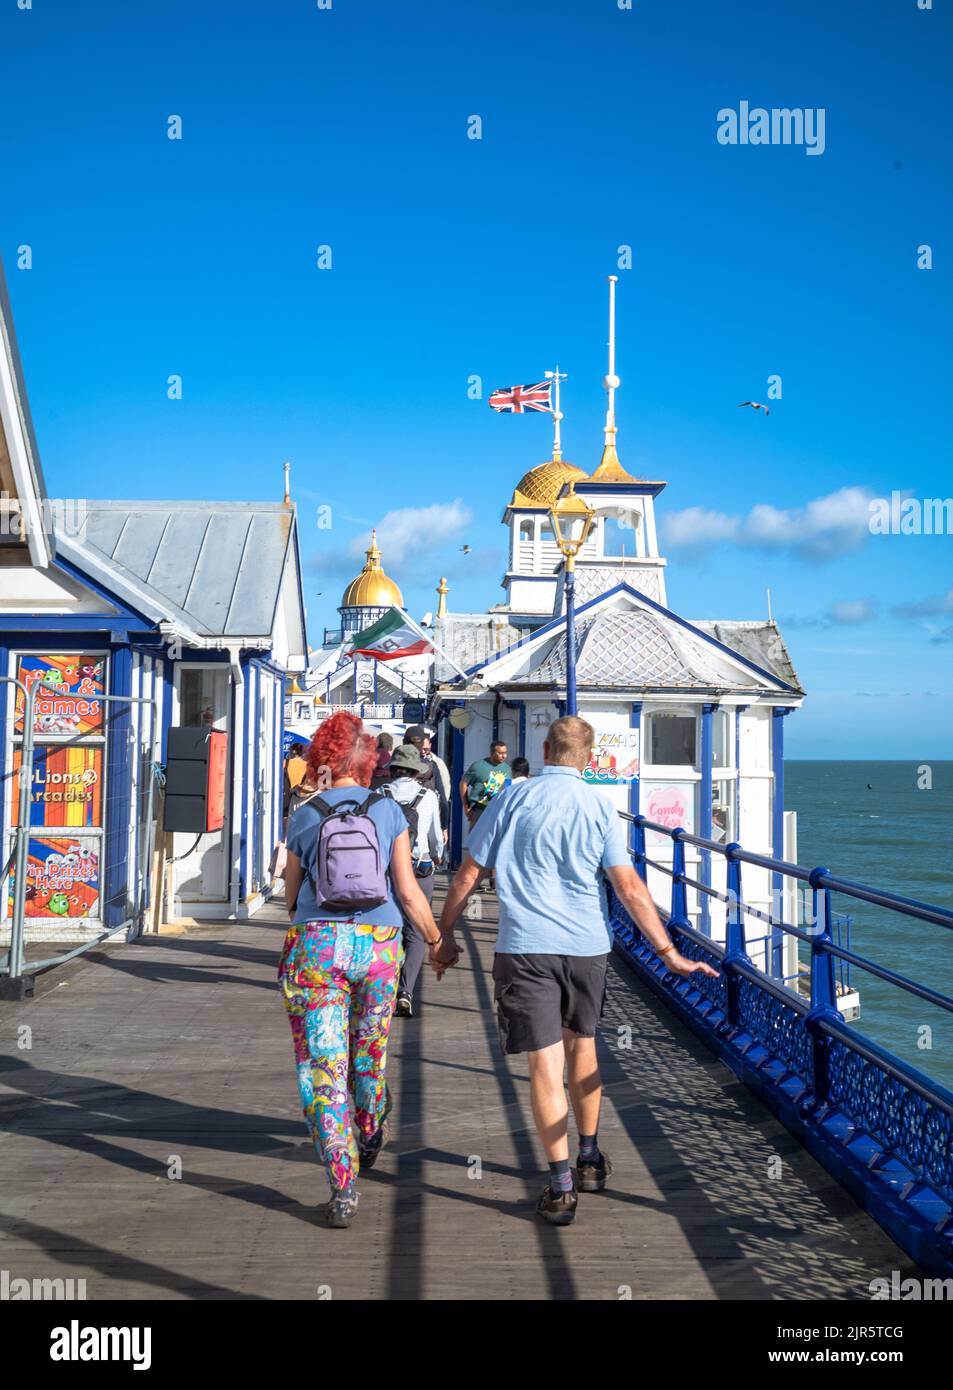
(572, 521)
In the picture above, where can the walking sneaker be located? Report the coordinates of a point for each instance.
(591, 1177)
(558, 1208)
(369, 1148)
(404, 1008)
(339, 1212)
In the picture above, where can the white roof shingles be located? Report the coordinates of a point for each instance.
(216, 565)
(758, 640)
(633, 649)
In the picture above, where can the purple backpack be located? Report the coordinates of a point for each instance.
(350, 874)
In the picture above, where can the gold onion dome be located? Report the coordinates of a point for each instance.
(372, 588)
(542, 485)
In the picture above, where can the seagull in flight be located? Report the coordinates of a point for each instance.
(755, 405)
(465, 549)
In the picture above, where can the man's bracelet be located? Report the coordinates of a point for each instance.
(665, 949)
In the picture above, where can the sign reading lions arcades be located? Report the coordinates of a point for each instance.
(615, 758)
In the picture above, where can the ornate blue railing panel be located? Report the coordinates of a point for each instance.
(884, 1129)
(779, 1025)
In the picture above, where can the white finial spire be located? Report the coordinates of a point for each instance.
(610, 470)
(287, 497)
(611, 381)
(556, 377)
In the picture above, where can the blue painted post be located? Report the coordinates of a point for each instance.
(704, 816)
(256, 806)
(638, 848)
(120, 813)
(570, 642)
(522, 728)
(823, 988)
(738, 712)
(240, 762)
(4, 668)
(734, 935)
(634, 784)
(679, 916)
(457, 770)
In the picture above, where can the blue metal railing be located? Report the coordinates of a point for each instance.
(884, 1129)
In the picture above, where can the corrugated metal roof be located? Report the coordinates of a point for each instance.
(217, 566)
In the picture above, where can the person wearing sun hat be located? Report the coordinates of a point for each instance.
(421, 807)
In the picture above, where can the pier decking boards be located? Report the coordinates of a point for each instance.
(180, 1047)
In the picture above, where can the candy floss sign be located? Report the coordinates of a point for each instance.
(672, 806)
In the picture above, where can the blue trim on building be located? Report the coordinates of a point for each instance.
(118, 809)
(704, 815)
(522, 728)
(240, 753)
(634, 489)
(76, 624)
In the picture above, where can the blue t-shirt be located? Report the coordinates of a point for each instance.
(548, 840)
(302, 839)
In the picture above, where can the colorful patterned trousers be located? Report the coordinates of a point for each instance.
(339, 982)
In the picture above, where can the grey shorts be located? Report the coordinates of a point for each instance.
(538, 996)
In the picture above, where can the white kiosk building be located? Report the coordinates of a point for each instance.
(689, 713)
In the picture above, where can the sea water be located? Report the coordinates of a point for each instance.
(888, 825)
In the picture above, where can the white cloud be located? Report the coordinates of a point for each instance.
(850, 612)
(403, 533)
(823, 528)
(928, 607)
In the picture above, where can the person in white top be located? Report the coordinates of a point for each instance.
(520, 768)
(421, 806)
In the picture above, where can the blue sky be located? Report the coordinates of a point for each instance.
(453, 257)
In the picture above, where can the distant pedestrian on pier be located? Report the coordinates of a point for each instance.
(348, 877)
(421, 810)
(436, 776)
(551, 841)
(483, 780)
(381, 773)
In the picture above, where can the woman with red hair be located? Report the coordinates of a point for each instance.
(348, 855)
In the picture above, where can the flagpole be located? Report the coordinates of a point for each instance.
(415, 627)
(436, 646)
(557, 376)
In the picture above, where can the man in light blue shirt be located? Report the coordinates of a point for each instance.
(552, 842)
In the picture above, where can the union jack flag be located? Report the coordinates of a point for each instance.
(517, 399)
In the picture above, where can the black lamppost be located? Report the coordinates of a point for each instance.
(572, 521)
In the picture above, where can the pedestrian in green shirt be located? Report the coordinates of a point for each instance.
(483, 780)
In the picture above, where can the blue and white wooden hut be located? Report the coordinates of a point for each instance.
(193, 614)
